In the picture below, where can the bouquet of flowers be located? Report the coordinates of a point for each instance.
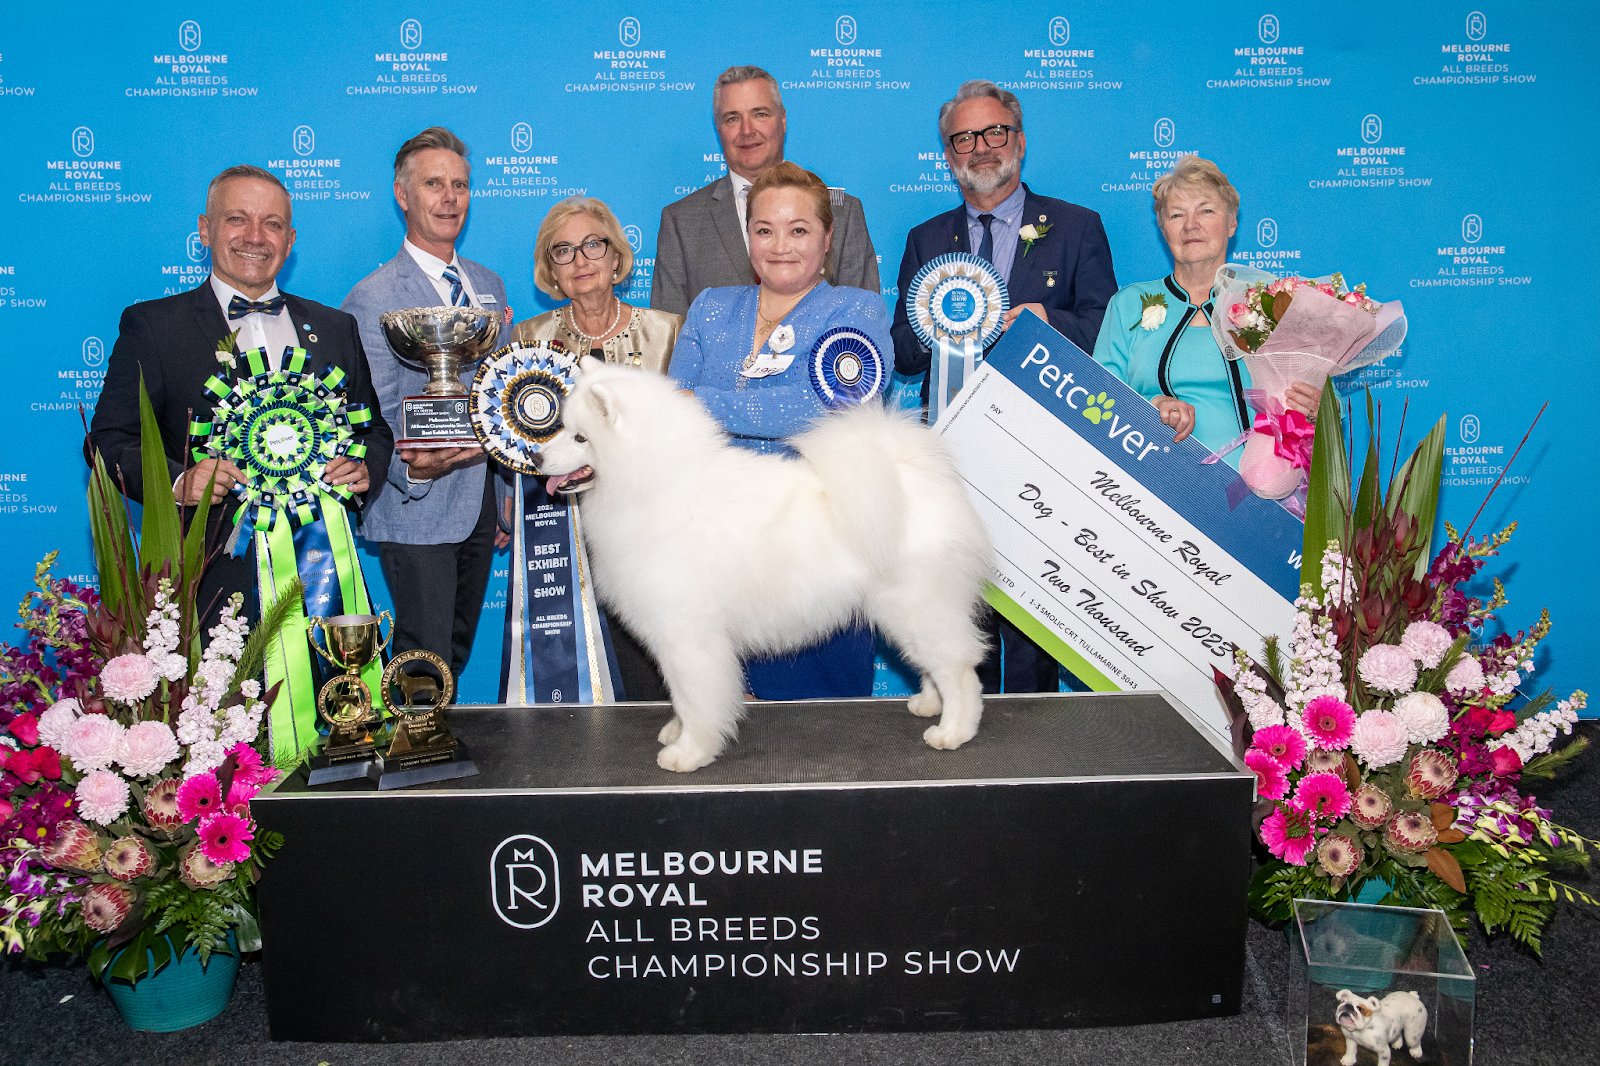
(1392, 744)
(1287, 330)
(127, 757)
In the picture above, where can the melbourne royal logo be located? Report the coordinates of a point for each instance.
(196, 249)
(305, 140)
(1477, 26)
(1469, 429)
(1267, 29)
(521, 137)
(1060, 31)
(1166, 132)
(189, 35)
(629, 32)
(844, 30)
(83, 141)
(525, 881)
(1472, 229)
(410, 34)
(1372, 129)
(635, 237)
(94, 352)
(1267, 232)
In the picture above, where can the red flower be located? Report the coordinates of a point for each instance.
(29, 766)
(1506, 761)
(1502, 721)
(26, 729)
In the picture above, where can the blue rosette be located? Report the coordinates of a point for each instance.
(955, 297)
(846, 367)
(517, 398)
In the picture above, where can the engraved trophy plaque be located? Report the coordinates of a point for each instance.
(439, 340)
(423, 749)
(349, 642)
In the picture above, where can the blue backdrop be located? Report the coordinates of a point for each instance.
(1420, 147)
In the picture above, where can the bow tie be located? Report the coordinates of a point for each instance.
(238, 307)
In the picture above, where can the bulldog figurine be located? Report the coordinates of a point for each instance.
(1380, 1025)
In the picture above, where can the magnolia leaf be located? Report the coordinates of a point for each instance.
(161, 539)
(1442, 815)
(1445, 868)
(1451, 836)
(1327, 492)
(1415, 490)
(1352, 772)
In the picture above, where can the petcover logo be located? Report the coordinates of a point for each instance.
(525, 881)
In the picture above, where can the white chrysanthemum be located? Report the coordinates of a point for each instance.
(1424, 716)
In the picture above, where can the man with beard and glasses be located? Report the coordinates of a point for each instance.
(1064, 276)
(173, 342)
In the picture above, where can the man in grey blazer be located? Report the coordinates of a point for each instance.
(702, 243)
(435, 522)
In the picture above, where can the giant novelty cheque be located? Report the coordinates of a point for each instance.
(1115, 549)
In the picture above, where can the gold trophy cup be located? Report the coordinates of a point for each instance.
(350, 642)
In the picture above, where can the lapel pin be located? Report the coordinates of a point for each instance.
(1041, 218)
(312, 337)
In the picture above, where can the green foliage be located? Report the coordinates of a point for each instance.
(254, 656)
(161, 539)
(114, 552)
(1328, 490)
(1552, 762)
(1414, 490)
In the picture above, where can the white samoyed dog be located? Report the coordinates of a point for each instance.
(710, 552)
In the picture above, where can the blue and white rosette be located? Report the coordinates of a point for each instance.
(846, 367)
(557, 642)
(957, 305)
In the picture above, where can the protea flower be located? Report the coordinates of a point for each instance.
(1432, 773)
(1323, 761)
(1409, 832)
(1371, 807)
(161, 804)
(130, 857)
(106, 905)
(1339, 855)
(74, 848)
(197, 871)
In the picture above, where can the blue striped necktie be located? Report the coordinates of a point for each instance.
(458, 294)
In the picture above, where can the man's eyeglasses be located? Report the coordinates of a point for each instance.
(995, 137)
(593, 248)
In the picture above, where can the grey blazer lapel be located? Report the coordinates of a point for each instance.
(414, 285)
(725, 213)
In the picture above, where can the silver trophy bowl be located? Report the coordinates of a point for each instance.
(441, 340)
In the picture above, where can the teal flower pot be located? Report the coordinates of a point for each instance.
(182, 995)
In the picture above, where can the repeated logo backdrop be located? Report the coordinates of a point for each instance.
(1433, 150)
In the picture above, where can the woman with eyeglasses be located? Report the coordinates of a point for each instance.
(582, 254)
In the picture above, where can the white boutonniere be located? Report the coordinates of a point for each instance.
(782, 338)
(1153, 311)
(228, 351)
(1029, 234)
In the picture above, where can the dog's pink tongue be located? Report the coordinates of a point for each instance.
(558, 484)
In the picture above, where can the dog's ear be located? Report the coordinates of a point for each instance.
(603, 402)
(1370, 1005)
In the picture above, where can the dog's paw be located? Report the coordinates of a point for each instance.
(945, 738)
(670, 731)
(682, 758)
(926, 703)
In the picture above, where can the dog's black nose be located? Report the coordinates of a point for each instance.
(536, 458)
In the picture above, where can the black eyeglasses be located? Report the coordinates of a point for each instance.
(593, 248)
(995, 137)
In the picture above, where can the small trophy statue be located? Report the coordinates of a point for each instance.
(439, 340)
(423, 749)
(350, 642)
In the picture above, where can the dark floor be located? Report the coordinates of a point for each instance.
(1529, 1011)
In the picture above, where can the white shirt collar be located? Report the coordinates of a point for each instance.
(225, 292)
(431, 264)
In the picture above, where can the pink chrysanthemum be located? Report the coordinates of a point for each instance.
(1388, 668)
(1283, 743)
(1322, 796)
(1466, 676)
(199, 796)
(102, 796)
(1271, 782)
(1289, 835)
(1330, 721)
(225, 838)
(1379, 738)
(1426, 642)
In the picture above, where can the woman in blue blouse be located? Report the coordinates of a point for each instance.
(745, 353)
(1157, 337)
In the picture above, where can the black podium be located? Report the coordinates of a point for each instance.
(1083, 861)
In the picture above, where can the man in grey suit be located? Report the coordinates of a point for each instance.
(435, 523)
(702, 243)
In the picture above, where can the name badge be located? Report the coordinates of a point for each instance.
(485, 299)
(767, 364)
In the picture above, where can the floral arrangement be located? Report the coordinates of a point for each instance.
(129, 755)
(1256, 313)
(1391, 746)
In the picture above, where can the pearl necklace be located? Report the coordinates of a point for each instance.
(594, 342)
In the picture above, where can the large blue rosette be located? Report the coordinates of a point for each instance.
(517, 396)
(957, 305)
(846, 367)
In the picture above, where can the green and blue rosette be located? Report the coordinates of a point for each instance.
(846, 367)
(281, 428)
(957, 305)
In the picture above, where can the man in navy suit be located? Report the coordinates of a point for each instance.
(435, 524)
(248, 225)
(1063, 275)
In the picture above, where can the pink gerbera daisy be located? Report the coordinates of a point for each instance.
(1271, 782)
(199, 796)
(225, 838)
(1289, 835)
(1322, 796)
(1330, 721)
(1283, 743)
